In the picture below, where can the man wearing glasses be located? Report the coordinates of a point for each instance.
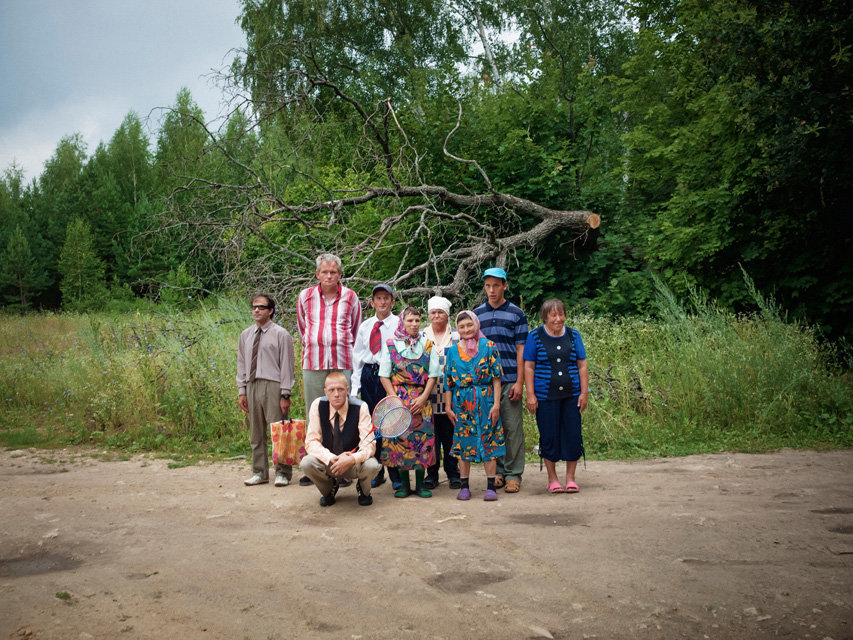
(264, 382)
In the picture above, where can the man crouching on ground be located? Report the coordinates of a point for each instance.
(337, 425)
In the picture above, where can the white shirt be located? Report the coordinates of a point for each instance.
(361, 353)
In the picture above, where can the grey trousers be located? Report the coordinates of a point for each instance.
(313, 381)
(264, 407)
(319, 473)
(512, 418)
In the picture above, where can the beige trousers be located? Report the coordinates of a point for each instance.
(322, 478)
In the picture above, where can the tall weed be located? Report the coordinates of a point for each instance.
(695, 379)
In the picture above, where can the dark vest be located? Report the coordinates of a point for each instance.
(346, 439)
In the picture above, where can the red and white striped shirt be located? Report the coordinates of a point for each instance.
(328, 329)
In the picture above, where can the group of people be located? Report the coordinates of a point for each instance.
(464, 388)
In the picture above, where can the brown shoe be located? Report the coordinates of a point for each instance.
(499, 482)
(512, 485)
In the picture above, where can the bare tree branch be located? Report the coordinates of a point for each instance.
(380, 218)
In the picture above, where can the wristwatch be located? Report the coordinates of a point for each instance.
(286, 396)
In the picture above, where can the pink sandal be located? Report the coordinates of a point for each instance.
(555, 487)
(572, 487)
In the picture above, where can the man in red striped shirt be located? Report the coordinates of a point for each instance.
(328, 316)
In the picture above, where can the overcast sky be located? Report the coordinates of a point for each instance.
(69, 66)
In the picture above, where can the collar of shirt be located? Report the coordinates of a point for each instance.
(343, 411)
(448, 336)
(504, 305)
(265, 327)
(323, 296)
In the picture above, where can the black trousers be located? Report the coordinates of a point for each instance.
(443, 442)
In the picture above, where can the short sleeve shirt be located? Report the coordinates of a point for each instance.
(556, 374)
(506, 326)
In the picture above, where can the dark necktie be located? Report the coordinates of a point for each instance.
(253, 370)
(337, 436)
(376, 337)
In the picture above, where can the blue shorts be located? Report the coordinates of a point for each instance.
(559, 423)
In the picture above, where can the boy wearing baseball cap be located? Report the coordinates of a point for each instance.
(505, 324)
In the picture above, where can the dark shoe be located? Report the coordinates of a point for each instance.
(329, 499)
(378, 480)
(397, 486)
(363, 500)
(304, 481)
(455, 483)
(344, 482)
(430, 484)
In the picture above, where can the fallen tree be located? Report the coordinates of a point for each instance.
(263, 233)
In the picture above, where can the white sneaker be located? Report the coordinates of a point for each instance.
(281, 480)
(256, 479)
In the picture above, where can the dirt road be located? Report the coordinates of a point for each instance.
(716, 546)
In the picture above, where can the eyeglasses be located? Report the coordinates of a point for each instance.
(260, 306)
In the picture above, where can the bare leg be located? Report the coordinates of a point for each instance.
(551, 467)
(570, 471)
(465, 468)
(491, 467)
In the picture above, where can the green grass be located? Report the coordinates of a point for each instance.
(697, 379)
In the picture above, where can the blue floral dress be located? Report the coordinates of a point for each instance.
(472, 395)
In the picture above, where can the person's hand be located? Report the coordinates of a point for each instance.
(339, 465)
(532, 403)
(451, 416)
(495, 413)
(284, 403)
(516, 391)
(243, 401)
(417, 406)
(583, 399)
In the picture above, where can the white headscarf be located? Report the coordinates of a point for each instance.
(437, 302)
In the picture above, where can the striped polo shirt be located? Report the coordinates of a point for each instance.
(506, 326)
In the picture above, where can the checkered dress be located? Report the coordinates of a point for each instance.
(437, 395)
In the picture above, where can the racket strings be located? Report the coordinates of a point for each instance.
(394, 423)
(391, 418)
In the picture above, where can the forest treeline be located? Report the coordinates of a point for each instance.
(711, 139)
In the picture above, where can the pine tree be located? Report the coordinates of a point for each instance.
(18, 269)
(83, 286)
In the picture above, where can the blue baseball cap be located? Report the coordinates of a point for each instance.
(494, 272)
(383, 287)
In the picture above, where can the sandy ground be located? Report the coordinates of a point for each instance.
(709, 546)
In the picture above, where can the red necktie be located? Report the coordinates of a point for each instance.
(376, 338)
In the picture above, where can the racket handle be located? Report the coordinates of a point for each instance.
(375, 438)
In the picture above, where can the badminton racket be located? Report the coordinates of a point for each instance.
(391, 419)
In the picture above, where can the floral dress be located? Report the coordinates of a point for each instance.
(416, 448)
(472, 394)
